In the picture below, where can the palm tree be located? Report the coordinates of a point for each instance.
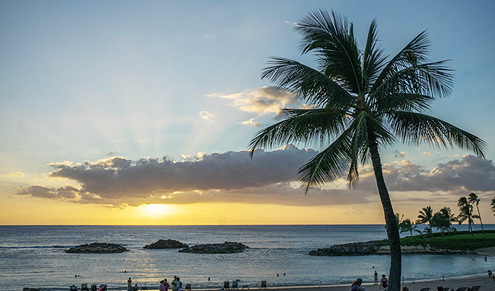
(426, 216)
(493, 205)
(449, 216)
(466, 213)
(358, 101)
(473, 198)
(407, 225)
(443, 219)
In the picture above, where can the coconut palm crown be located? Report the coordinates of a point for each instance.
(358, 100)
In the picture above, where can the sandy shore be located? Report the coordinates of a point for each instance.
(486, 283)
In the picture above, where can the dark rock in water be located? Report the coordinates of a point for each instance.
(166, 244)
(30, 289)
(225, 248)
(371, 247)
(97, 248)
(350, 249)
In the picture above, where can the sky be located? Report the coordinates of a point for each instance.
(141, 112)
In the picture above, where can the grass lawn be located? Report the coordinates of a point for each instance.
(460, 240)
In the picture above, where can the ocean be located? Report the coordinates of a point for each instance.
(34, 256)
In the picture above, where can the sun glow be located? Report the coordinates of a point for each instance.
(155, 210)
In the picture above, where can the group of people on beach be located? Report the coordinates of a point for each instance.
(356, 285)
(164, 285)
(130, 287)
(176, 284)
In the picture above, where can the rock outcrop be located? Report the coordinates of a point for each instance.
(371, 248)
(166, 244)
(350, 249)
(225, 248)
(97, 248)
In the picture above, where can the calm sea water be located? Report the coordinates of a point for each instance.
(34, 256)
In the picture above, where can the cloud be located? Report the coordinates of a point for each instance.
(250, 122)
(14, 175)
(270, 178)
(205, 115)
(262, 100)
(116, 179)
(66, 193)
(468, 174)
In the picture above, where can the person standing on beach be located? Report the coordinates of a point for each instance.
(174, 284)
(179, 284)
(376, 277)
(165, 284)
(356, 285)
(384, 283)
(129, 284)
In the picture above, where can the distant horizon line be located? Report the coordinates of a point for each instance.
(303, 224)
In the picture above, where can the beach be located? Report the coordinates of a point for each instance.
(484, 281)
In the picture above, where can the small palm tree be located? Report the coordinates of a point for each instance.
(407, 225)
(493, 205)
(473, 199)
(360, 100)
(426, 217)
(466, 213)
(450, 217)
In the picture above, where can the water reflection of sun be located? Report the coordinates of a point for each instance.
(155, 210)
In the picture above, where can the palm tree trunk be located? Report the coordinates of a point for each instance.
(392, 229)
(470, 228)
(481, 222)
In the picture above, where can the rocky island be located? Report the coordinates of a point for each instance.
(166, 244)
(225, 248)
(97, 248)
(374, 248)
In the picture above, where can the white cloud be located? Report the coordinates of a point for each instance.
(262, 100)
(250, 122)
(206, 115)
(14, 175)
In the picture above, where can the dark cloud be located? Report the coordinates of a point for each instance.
(117, 179)
(469, 173)
(280, 194)
(231, 170)
(269, 178)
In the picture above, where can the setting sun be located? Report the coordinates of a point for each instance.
(155, 210)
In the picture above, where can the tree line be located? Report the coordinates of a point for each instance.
(443, 219)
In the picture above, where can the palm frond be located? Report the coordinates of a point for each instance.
(332, 39)
(415, 128)
(329, 164)
(302, 125)
(373, 58)
(312, 86)
(411, 55)
(432, 79)
(402, 102)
